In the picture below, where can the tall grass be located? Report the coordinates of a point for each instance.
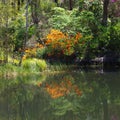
(34, 65)
(8, 69)
(28, 66)
(60, 67)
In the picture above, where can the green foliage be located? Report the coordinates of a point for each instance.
(34, 65)
(85, 18)
(85, 44)
(5, 16)
(57, 66)
(94, 6)
(114, 44)
(71, 21)
(41, 11)
(40, 52)
(8, 68)
(5, 31)
(103, 38)
(46, 5)
(60, 19)
(18, 26)
(41, 65)
(61, 106)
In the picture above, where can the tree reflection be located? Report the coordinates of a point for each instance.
(66, 96)
(93, 103)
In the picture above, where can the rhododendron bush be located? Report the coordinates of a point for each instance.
(59, 43)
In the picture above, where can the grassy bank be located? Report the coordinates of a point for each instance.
(28, 66)
(33, 66)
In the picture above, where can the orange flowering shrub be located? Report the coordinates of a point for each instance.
(58, 42)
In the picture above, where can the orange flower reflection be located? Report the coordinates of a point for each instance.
(65, 87)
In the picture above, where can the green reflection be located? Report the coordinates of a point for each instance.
(67, 96)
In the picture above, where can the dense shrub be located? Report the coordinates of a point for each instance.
(72, 21)
(114, 44)
(34, 65)
(59, 43)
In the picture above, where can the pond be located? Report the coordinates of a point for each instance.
(77, 95)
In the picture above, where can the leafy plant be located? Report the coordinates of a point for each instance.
(34, 65)
(71, 21)
(59, 43)
(40, 52)
(114, 44)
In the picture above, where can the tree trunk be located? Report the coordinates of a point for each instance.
(34, 10)
(6, 51)
(105, 12)
(70, 5)
(22, 1)
(56, 1)
(26, 33)
(81, 4)
(35, 16)
(6, 42)
(18, 4)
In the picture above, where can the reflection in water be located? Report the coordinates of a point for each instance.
(63, 88)
(66, 96)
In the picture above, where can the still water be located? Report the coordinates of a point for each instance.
(77, 95)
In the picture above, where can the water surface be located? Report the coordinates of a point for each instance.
(77, 95)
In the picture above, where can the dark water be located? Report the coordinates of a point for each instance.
(93, 95)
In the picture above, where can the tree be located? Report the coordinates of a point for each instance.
(70, 5)
(35, 10)
(105, 12)
(56, 1)
(26, 32)
(6, 15)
